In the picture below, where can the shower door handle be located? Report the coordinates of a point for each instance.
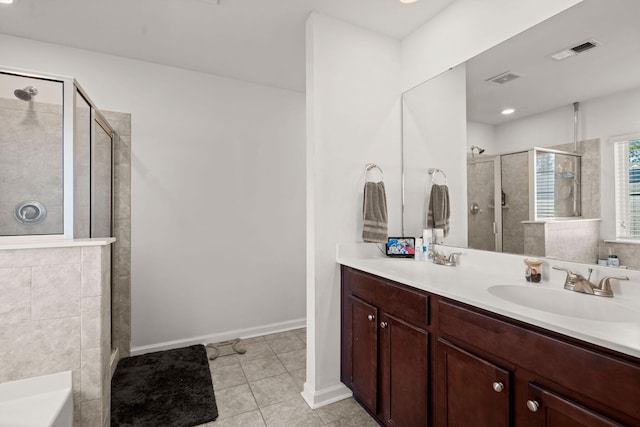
(495, 228)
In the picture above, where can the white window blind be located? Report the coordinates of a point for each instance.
(545, 186)
(627, 188)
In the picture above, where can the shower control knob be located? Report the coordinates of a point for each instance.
(371, 317)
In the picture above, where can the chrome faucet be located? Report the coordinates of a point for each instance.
(604, 286)
(578, 283)
(441, 259)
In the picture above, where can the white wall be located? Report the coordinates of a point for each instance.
(434, 136)
(467, 28)
(353, 118)
(217, 193)
(602, 118)
(481, 135)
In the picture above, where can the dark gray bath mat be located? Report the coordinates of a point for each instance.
(170, 388)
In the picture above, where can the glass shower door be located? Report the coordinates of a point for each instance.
(484, 231)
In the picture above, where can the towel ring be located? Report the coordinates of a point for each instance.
(369, 167)
(434, 171)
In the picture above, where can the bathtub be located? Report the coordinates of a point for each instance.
(39, 401)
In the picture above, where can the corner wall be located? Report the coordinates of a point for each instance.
(353, 118)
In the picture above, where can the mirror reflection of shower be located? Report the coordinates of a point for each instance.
(474, 149)
(26, 94)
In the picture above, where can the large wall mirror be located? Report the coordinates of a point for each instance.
(538, 181)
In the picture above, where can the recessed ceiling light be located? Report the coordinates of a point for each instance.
(408, 1)
(6, 1)
(508, 111)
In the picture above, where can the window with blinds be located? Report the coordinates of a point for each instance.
(545, 185)
(627, 188)
(557, 184)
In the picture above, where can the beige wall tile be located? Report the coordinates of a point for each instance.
(91, 271)
(91, 375)
(39, 348)
(90, 322)
(91, 413)
(55, 291)
(15, 292)
(29, 257)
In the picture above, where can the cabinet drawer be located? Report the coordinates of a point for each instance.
(392, 298)
(613, 382)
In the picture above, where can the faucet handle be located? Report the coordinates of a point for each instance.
(604, 286)
(569, 272)
(452, 255)
(571, 279)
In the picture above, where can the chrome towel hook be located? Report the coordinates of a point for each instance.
(434, 171)
(369, 167)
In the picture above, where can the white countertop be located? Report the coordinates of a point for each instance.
(478, 271)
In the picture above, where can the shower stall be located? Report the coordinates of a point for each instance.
(56, 158)
(507, 192)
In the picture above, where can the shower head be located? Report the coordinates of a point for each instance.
(479, 150)
(26, 94)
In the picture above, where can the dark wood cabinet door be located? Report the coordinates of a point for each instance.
(404, 373)
(364, 352)
(471, 391)
(547, 409)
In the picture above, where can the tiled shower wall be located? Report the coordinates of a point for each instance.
(480, 190)
(30, 164)
(627, 253)
(54, 316)
(515, 184)
(121, 270)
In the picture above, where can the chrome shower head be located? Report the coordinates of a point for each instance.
(26, 94)
(478, 149)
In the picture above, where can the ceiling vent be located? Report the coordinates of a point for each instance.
(573, 51)
(503, 78)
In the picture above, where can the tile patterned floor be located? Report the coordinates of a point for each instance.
(261, 388)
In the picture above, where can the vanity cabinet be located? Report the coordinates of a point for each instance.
(385, 348)
(364, 351)
(417, 359)
(471, 391)
(548, 409)
(510, 372)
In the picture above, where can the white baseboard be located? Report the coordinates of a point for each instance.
(224, 336)
(319, 398)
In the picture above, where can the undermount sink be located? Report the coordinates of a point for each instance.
(566, 303)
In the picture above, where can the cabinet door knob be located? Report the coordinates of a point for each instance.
(383, 325)
(371, 317)
(533, 405)
(498, 387)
